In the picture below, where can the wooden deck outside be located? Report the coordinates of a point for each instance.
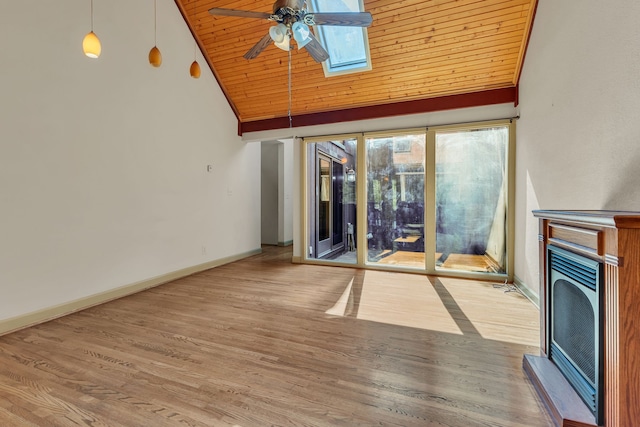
(459, 262)
(266, 342)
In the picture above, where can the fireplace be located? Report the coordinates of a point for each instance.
(588, 371)
(575, 328)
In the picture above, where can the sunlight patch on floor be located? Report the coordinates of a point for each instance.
(405, 300)
(456, 306)
(340, 307)
(495, 314)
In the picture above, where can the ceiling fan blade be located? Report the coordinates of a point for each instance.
(258, 47)
(239, 13)
(315, 49)
(348, 19)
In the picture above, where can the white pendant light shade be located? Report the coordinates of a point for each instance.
(194, 70)
(279, 35)
(155, 57)
(284, 44)
(278, 32)
(91, 45)
(301, 34)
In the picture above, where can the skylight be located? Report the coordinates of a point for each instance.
(348, 47)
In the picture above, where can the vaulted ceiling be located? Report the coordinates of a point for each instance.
(420, 50)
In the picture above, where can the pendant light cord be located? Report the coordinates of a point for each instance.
(289, 112)
(91, 15)
(155, 22)
(195, 43)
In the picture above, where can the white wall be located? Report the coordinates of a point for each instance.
(277, 184)
(269, 192)
(578, 137)
(103, 177)
(285, 192)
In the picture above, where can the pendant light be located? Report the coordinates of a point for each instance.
(194, 70)
(155, 57)
(91, 43)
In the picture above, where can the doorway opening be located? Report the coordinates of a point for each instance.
(332, 205)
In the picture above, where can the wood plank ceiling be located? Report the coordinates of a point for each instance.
(420, 49)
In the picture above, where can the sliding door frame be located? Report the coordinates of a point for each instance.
(305, 207)
(362, 224)
(429, 198)
(510, 193)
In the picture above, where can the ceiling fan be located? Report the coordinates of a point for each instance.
(293, 19)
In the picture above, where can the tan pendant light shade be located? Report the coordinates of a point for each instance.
(194, 70)
(91, 45)
(155, 57)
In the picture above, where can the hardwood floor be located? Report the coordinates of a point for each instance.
(251, 344)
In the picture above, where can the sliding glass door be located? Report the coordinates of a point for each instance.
(331, 200)
(433, 200)
(471, 199)
(395, 199)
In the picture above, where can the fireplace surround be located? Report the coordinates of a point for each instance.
(604, 248)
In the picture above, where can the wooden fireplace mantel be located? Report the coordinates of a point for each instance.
(613, 238)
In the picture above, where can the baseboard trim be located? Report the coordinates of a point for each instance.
(296, 260)
(40, 316)
(526, 291)
(287, 243)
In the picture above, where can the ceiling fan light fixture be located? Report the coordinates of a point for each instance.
(284, 44)
(301, 34)
(280, 36)
(278, 33)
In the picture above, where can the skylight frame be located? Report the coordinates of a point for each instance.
(357, 66)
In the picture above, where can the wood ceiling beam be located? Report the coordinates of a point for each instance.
(449, 102)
